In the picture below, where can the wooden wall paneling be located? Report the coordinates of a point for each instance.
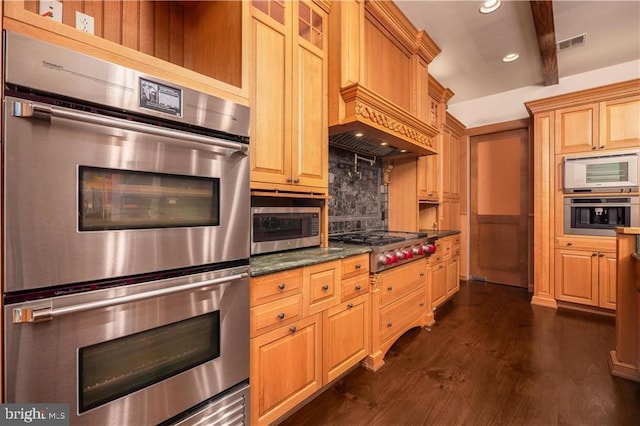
(112, 22)
(146, 35)
(69, 9)
(131, 24)
(176, 33)
(161, 24)
(31, 5)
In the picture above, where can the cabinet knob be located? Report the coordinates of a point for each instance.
(594, 254)
(358, 266)
(569, 244)
(296, 180)
(389, 324)
(350, 305)
(601, 146)
(281, 286)
(358, 287)
(421, 305)
(594, 147)
(421, 274)
(325, 287)
(600, 254)
(293, 329)
(390, 288)
(281, 315)
(289, 180)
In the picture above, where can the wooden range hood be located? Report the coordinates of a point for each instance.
(378, 81)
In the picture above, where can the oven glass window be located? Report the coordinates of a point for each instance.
(608, 172)
(121, 366)
(119, 199)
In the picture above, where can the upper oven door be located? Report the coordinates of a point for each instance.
(87, 197)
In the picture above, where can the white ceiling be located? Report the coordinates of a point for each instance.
(473, 44)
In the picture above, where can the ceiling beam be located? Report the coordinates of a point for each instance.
(542, 12)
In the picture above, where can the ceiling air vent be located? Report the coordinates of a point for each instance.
(572, 42)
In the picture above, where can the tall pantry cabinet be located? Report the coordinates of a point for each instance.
(577, 269)
(289, 133)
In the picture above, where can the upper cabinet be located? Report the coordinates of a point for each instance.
(378, 79)
(598, 126)
(289, 140)
(194, 43)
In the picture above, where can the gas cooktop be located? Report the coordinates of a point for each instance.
(376, 237)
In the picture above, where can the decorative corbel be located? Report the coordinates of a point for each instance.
(386, 177)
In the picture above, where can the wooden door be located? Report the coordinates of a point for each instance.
(499, 207)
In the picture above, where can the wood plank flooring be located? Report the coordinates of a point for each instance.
(491, 359)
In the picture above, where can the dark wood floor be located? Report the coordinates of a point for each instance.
(491, 359)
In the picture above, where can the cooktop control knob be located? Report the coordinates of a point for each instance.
(407, 254)
(418, 250)
(429, 248)
(400, 254)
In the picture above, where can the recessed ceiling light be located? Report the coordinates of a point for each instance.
(359, 135)
(490, 6)
(403, 150)
(384, 143)
(510, 57)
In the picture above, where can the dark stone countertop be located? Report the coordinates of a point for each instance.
(281, 261)
(441, 233)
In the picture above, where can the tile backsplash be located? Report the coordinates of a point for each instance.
(358, 198)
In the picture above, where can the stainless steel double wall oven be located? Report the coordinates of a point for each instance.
(126, 217)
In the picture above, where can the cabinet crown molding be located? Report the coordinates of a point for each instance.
(598, 94)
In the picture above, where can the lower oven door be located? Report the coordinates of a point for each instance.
(139, 354)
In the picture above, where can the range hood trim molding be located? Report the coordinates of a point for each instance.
(370, 109)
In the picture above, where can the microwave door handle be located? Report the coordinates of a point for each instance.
(29, 110)
(33, 315)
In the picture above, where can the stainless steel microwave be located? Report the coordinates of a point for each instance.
(615, 172)
(284, 228)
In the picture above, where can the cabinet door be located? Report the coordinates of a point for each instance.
(620, 123)
(607, 279)
(577, 129)
(346, 333)
(310, 149)
(454, 165)
(438, 277)
(576, 276)
(286, 368)
(423, 173)
(270, 70)
(445, 163)
(428, 178)
(453, 275)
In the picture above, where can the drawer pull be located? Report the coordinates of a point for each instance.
(389, 324)
(293, 329)
(421, 274)
(390, 288)
(281, 286)
(281, 315)
(358, 287)
(600, 255)
(421, 305)
(594, 254)
(325, 287)
(350, 305)
(358, 266)
(569, 244)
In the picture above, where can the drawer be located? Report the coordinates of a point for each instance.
(401, 280)
(586, 243)
(354, 287)
(322, 286)
(269, 316)
(355, 265)
(395, 317)
(268, 288)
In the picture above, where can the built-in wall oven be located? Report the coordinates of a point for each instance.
(126, 216)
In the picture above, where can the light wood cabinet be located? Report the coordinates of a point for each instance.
(285, 368)
(598, 126)
(601, 118)
(309, 325)
(346, 336)
(453, 276)
(437, 273)
(398, 303)
(428, 178)
(289, 134)
(198, 44)
(443, 268)
(586, 277)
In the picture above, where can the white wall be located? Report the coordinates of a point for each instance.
(509, 105)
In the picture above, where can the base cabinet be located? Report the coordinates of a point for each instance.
(443, 270)
(309, 325)
(586, 277)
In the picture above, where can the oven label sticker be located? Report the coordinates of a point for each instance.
(160, 97)
(34, 414)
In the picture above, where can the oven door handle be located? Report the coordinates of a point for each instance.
(29, 110)
(48, 313)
